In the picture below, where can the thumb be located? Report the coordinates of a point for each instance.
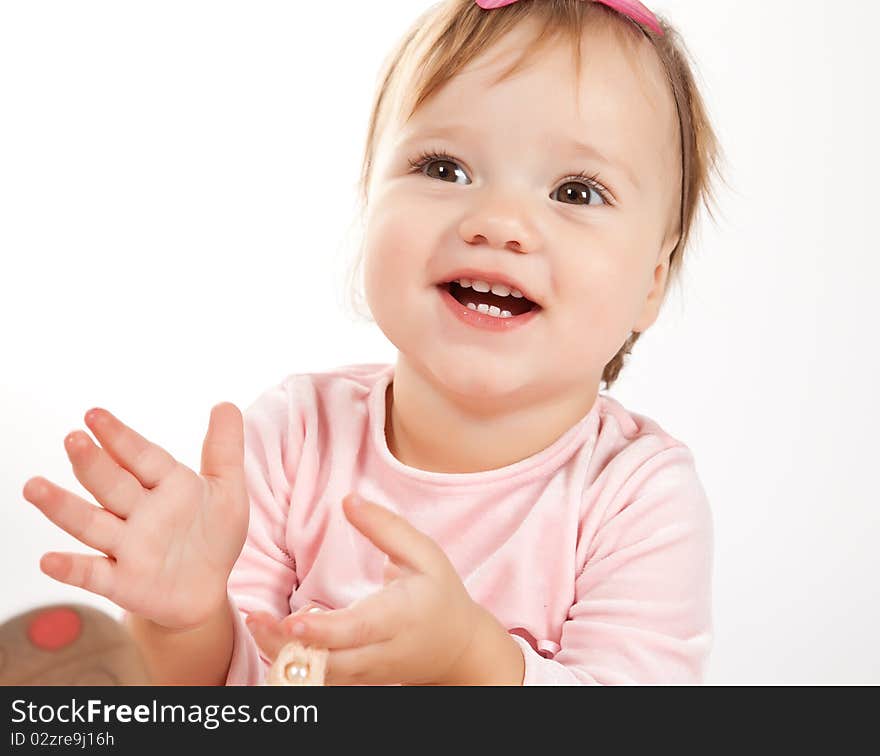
(405, 546)
(390, 571)
(223, 449)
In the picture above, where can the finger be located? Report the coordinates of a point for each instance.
(223, 448)
(93, 526)
(114, 487)
(367, 665)
(407, 546)
(370, 620)
(268, 634)
(146, 461)
(309, 608)
(92, 573)
(390, 572)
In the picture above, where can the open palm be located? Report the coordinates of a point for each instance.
(170, 535)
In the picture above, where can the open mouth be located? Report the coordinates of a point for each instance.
(489, 303)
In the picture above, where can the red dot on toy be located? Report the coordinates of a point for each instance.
(54, 629)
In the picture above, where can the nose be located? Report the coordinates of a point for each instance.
(502, 223)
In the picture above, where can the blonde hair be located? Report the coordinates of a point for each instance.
(452, 33)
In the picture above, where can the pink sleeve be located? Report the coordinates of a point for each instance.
(264, 576)
(642, 610)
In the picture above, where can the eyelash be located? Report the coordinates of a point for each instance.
(592, 181)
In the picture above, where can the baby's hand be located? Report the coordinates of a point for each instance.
(272, 634)
(419, 629)
(171, 536)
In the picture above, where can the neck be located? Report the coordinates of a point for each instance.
(432, 430)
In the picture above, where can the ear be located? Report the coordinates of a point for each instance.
(651, 309)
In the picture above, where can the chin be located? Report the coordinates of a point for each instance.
(465, 371)
(474, 379)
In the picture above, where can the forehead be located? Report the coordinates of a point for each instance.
(619, 102)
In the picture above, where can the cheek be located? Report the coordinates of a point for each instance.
(595, 283)
(601, 295)
(394, 260)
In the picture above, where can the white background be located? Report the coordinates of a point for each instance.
(177, 194)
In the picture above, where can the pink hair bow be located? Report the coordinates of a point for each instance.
(630, 8)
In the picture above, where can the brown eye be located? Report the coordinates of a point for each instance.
(439, 165)
(445, 170)
(578, 193)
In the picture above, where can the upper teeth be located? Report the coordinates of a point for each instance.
(483, 286)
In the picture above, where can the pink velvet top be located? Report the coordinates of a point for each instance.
(595, 553)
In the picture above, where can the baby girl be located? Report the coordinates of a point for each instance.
(476, 513)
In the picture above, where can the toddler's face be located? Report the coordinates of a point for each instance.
(506, 206)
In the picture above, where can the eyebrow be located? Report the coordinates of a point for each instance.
(565, 144)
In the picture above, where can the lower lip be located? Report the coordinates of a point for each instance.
(485, 322)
